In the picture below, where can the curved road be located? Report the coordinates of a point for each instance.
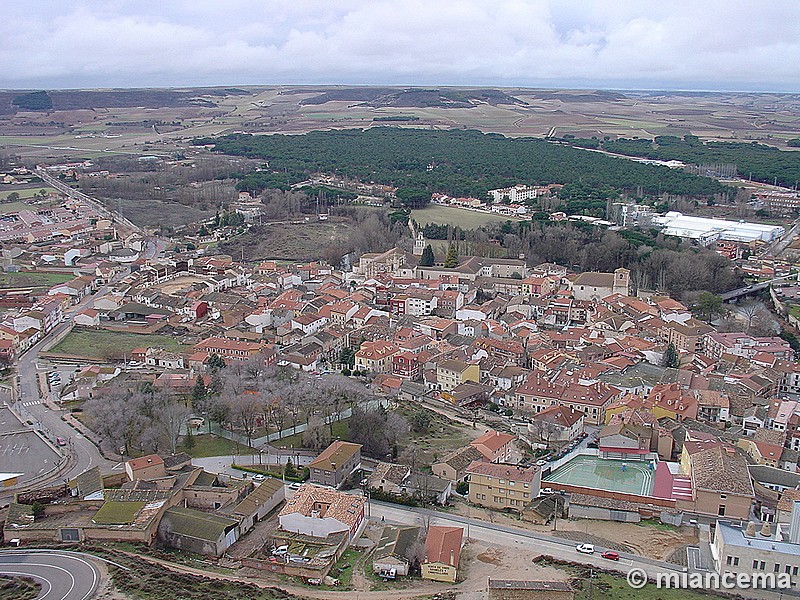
(63, 576)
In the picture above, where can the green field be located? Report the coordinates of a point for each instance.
(28, 192)
(110, 344)
(33, 279)
(340, 429)
(466, 219)
(205, 444)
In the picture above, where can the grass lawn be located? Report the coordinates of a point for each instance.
(466, 219)
(208, 444)
(296, 441)
(33, 279)
(28, 192)
(99, 343)
(12, 207)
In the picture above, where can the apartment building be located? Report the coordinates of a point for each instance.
(502, 486)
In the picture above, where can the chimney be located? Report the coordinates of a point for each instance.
(452, 558)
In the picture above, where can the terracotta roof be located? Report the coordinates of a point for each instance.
(443, 545)
(512, 472)
(145, 461)
(493, 440)
(788, 498)
(345, 508)
(561, 415)
(721, 469)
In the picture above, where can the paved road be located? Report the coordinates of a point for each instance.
(63, 576)
(531, 542)
(30, 406)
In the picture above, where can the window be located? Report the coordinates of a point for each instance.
(777, 568)
(723, 496)
(735, 561)
(721, 510)
(511, 483)
(728, 560)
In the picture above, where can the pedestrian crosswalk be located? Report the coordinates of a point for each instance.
(32, 403)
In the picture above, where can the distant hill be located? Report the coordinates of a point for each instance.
(577, 96)
(414, 97)
(11, 101)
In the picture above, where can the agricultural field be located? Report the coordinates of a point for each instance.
(37, 280)
(102, 123)
(461, 217)
(103, 344)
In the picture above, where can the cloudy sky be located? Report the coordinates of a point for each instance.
(633, 44)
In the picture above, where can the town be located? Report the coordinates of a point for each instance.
(414, 420)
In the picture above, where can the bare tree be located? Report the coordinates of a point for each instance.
(245, 410)
(749, 309)
(764, 323)
(115, 413)
(316, 435)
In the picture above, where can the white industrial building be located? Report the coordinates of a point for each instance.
(708, 231)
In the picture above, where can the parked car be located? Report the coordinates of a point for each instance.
(259, 477)
(610, 555)
(61, 441)
(295, 486)
(585, 548)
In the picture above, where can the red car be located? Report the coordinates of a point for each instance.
(610, 555)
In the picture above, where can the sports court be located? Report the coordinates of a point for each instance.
(629, 477)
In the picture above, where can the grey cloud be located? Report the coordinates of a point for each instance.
(713, 44)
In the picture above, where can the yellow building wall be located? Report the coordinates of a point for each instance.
(471, 373)
(439, 572)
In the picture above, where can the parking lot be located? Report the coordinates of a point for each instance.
(22, 450)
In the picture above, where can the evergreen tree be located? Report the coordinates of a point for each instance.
(670, 359)
(199, 392)
(216, 362)
(451, 260)
(427, 258)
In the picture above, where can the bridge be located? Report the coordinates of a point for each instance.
(754, 289)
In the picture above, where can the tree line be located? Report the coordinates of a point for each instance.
(245, 397)
(755, 161)
(657, 262)
(457, 162)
